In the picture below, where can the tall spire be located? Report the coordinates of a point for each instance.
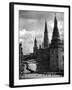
(35, 46)
(45, 27)
(55, 20)
(45, 43)
(35, 42)
(55, 36)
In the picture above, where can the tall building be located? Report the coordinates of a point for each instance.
(55, 49)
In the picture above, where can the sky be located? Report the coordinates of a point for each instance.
(32, 24)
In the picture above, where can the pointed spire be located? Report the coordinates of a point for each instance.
(55, 20)
(35, 40)
(45, 42)
(55, 36)
(45, 26)
(35, 46)
(55, 32)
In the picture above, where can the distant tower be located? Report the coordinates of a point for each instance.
(55, 49)
(45, 43)
(35, 46)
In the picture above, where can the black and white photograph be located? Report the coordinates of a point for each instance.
(39, 44)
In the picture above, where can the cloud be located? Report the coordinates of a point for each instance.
(22, 32)
(60, 25)
(29, 24)
(32, 24)
(51, 24)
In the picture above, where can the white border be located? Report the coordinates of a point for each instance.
(16, 48)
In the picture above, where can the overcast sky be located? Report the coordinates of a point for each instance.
(32, 24)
